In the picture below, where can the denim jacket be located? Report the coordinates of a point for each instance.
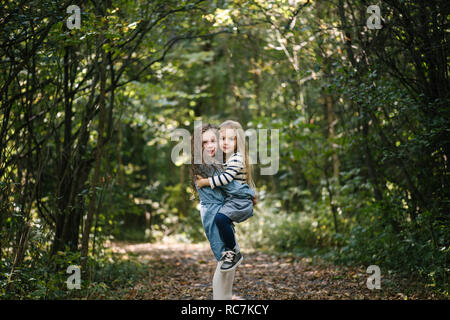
(212, 201)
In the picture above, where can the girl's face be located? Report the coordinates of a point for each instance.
(227, 140)
(209, 143)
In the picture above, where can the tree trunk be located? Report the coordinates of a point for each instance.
(98, 158)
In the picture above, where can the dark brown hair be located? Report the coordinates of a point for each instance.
(203, 169)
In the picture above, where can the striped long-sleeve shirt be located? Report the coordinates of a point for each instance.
(234, 170)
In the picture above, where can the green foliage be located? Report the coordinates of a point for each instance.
(408, 253)
(107, 276)
(363, 118)
(273, 229)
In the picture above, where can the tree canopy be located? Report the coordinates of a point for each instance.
(87, 113)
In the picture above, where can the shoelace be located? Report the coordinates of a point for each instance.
(229, 256)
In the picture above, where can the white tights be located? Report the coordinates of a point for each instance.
(223, 282)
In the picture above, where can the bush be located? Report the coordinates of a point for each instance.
(45, 278)
(275, 230)
(408, 252)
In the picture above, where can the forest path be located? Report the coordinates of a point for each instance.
(182, 271)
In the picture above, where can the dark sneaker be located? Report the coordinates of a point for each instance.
(231, 260)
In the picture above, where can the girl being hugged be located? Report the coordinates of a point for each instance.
(238, 206)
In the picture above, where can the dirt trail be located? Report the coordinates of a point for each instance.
(185, 271)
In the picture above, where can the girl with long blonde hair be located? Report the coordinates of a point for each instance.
(204, 146)
(237, 207)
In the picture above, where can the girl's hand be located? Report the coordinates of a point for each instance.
(202, 182)
(254, 200)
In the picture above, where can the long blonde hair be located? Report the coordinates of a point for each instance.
(241, 147)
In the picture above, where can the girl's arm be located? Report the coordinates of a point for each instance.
(202, 182)
(255, 200)
(234, 165)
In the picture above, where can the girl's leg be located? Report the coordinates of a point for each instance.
(225, 230)
(223, 284)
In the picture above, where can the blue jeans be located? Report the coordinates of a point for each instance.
(225, 230)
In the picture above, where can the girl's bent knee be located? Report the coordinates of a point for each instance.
(221, 219)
